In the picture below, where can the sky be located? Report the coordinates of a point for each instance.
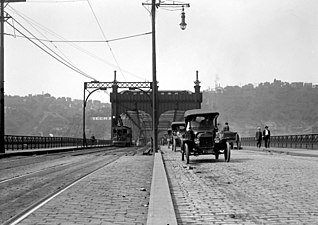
(231, 42)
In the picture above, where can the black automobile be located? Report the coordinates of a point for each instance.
(178, 130)
(202, 136)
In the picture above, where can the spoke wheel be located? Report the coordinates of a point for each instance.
(174, 145)
(227, 152)
(182, 155)
(187, 152)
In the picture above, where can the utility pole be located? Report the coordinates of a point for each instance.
(154, 5)
(2, 19)
(154, 79)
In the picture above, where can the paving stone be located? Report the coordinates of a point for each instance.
(109, 196)
(254, 188)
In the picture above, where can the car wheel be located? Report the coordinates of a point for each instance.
(216, 156)
(187, 152)
(227, 152)
(182, 155)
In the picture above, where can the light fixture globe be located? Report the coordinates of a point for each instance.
(183, 24)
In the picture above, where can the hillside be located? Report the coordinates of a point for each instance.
(285, 108)
(44, 115)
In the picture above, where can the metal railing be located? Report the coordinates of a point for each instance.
(305, 141)
(15, 142)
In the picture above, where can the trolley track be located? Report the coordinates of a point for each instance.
(23, 193)
(11, 169)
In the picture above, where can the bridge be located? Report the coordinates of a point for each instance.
(133, 105)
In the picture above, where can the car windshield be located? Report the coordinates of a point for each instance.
(201, 122)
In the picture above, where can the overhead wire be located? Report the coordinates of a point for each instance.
(52, 53)
(54, 45)
(103, 33)
(72, 44)
(63, 1)
(83, 41)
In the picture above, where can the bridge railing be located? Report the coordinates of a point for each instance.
(16, 142)
(306, 141)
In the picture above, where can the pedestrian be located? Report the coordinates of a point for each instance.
(226, 127)
(169, 138)
(238, 141)
(93, 140)
(218, 127)
(266, 136)
(258, 137)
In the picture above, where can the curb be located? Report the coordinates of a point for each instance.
(161, 210)
(294, 152)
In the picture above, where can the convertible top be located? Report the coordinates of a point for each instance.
(200, 112)
(178, 123)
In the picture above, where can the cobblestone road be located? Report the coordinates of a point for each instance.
(117, 194)
(254, 188)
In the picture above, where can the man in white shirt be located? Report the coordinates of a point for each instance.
(266, 136)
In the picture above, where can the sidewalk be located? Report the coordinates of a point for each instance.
(287, 151)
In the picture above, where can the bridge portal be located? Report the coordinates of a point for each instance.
(133, 106)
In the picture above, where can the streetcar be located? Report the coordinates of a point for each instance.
(122, 136)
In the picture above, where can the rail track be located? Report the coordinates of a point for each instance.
(30, 182)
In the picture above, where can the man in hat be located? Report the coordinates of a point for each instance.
(258, 137)
(266, 136)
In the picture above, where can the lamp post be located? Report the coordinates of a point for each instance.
(85, 99)
(154, 69)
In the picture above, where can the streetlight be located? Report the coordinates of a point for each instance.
(154, 70)
(84, 108)
(183, 24)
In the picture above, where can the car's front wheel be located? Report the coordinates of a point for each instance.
(227, 152)
(187, 152)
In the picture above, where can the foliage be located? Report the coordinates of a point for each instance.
(44, 115)
(285, 108)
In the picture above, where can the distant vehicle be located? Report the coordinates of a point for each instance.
(122, 136)
(178, 130)
(202, 136)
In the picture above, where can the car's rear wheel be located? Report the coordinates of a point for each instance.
(187, 152)
(182, 155)
(227, 152)
(174, 145)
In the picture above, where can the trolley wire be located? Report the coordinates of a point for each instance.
(103, 33)
(33, 23)
(50, 51)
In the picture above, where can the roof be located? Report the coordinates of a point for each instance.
(178, 123)
(202, 112)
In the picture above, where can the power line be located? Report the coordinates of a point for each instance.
(57, 57)
(82, 41)
(34, 23)
(103, 33)
(63, 1)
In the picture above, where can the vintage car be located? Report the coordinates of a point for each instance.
(178, 130)
(203, 137)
